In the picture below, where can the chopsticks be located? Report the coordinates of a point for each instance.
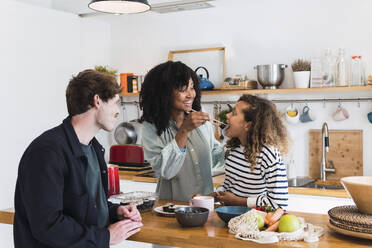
(216, 122)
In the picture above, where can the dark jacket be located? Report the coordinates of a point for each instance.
(52, 205)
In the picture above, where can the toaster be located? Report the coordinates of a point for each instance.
(127, 155)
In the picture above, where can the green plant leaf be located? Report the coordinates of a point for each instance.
(222, 114)
(106, 69)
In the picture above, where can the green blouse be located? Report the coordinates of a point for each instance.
(182, 174)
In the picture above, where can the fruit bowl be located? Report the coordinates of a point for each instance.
(226, 213)
(360, 189)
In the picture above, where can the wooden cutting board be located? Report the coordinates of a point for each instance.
(345, 153)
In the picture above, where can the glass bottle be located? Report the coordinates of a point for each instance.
(328, 72)
(362, 71)
(356, 71)
(341, 78)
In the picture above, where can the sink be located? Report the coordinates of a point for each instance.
(305, 182)
(319, 186)
(299, 181)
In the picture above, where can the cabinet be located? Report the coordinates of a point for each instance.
(315, 204)
(297, 202)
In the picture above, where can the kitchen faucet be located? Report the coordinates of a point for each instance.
(325, 148)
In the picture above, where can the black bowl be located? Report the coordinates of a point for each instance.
(191, 216)
(226, 213)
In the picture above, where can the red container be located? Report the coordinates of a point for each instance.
(126, 154)
(113, 180)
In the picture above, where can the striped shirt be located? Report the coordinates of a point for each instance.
(265, 185)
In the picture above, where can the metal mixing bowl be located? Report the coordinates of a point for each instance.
(125, 133)
(270, 76)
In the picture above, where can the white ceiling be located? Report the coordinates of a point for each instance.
(75, 6)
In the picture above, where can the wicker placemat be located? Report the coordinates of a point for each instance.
(349, 233)
(350, 227)
(348, 217)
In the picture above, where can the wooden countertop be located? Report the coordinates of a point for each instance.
(218, 180)
(7, 216)
(319, 192)
(166, 231)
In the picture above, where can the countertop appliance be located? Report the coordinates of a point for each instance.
(270, 76)
(128, 156)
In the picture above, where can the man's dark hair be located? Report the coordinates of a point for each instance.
(82, 89)
(156, 97)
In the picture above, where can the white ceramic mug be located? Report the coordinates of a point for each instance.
(341, 114)
(203, 202)
(292, 119)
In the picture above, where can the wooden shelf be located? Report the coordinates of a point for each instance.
(279, 91)
(129, 94)
(290, 91)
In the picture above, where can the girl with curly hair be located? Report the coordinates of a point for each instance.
(255, 173)
(178, 142)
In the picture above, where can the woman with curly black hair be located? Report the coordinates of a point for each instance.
(178, 142)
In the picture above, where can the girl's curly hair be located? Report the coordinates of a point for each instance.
(156, 96)
(266, 128)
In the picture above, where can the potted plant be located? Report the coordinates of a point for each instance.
(301, 73)
(222, 114)
(106, 69)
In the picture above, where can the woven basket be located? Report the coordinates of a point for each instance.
(349, 218)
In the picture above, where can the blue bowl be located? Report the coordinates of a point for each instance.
(228, 212)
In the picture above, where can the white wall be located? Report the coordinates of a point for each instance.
(44, 3)
(258, 32)
(253, 32)
(40, 49)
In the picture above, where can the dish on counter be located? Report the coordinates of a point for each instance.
(160, 210)
(358, 188)
(143, 200)
(228, 212)
(350, 233)
(191, 216)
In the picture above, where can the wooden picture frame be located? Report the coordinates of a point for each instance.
(213, 58)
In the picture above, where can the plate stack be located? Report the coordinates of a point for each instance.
(349, 221)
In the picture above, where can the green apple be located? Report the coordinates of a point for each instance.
(289, 223)
(260, 221)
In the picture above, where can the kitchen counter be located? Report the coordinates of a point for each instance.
(218, 180)
(132, 175)
(166, 231)
(319, 192)
(7, 216)
(6, 240)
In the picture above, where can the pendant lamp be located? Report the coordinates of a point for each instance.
(119, 6)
